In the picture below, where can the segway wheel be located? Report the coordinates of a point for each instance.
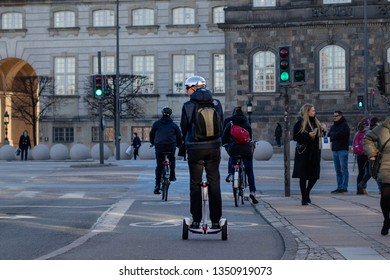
(224, 231)
(184, 234)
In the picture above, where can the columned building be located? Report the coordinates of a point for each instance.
(325, 38)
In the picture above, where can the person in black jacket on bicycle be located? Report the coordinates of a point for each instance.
(165, 136)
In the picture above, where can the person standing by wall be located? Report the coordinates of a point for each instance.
(136, 144)
(307, 133)
(339, 138)
(202, 154)
(24, 145)
(373, 142)
(278, 134)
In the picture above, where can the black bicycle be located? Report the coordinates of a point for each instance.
(166, 171)
(240, 182)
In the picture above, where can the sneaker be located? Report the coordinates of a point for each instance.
(215, 226)
(156, 190)
(172, 178)
(195, 225)
(229, 178)
(337, 191)
(365, 192)
(359, 191)
(253, 198)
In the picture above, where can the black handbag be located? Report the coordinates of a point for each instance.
(376, 163)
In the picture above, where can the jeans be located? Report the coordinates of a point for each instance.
(209, 159)
(340, 160)
(248, 164)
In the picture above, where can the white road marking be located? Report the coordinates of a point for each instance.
(73, 195)
(27, 194)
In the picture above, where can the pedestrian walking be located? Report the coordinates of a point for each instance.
(373, 142)
(361, 158)
(278, 134)
(203, 152)
(24, 145)
(307, 133)
(136, 144)
(165, 135)
(339, 138)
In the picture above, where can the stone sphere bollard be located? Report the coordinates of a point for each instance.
(263, 151)
(59, 152)
(146, 152)
(79, 152)
(327, 154)
(95, 152)
(7, 152)
(40, 152)
(123, 154)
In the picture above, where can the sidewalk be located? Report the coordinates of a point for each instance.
(334, 226)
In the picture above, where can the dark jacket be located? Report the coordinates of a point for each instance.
(165, 132)
(307, 154)
(186, 121)
(136, 142)
(234, 149)
(24, 142)
(339, 135)
(373, 141)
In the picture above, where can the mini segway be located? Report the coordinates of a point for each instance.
(204, 229)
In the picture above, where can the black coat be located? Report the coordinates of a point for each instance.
(339, 135)
(165, 132)
(307, 157)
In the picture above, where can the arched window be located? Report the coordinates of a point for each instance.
(183, 16)
(332, 66)
(263, 72)
(64, 19)
(102, 18)
(142, 17)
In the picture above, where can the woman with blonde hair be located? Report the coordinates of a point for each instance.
(307, 133)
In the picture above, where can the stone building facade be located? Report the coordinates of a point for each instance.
(307, 27)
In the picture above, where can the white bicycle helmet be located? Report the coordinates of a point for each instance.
(197, 81)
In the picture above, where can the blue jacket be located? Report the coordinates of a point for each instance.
(165, 132)
(187, 122)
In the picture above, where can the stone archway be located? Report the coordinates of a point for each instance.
(9, 69)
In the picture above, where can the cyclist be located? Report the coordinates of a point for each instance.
(165, 135)
(244, 150)
(202, 154)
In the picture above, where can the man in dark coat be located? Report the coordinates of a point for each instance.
(165, 135)
(24, 145)
(136, 144)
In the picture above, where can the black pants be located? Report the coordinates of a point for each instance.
(23, 153)
(209, 160)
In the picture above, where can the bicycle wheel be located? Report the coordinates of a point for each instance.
(235, 195)
(242, 184)
(165, 187)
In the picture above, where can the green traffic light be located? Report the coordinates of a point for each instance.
(284, 76)
(99, 92)
(360, 104)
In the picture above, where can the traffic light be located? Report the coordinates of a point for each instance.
(380, 79)
(284, 65)
(98, 85)
(107, 86)
(360, 102)
(299, 76)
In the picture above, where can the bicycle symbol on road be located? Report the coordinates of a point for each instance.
(175, 223)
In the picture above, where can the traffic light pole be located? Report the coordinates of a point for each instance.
(287, 183)
(101, 128)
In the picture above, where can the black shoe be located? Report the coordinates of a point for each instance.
(360, 191)
(195, 225)
(253, 198)
(215, 226)
(344, 190)
(304, 202)
(156, 190)
(385, 228)
(337, 191)
(229, 178)
(172, 178)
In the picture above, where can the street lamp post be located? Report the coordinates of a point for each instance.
(250, 110)
(6, 122)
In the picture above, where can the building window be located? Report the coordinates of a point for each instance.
(219, 73)
(183, 68)
(12, 21)
(108, 134)
(107, 64)
(264, 3)
(64, 19)
(65, 75)
(183, 16)
(336, 1)
(388, 54)
(142, 131)
(103, 18)
(143, 65)
(218, 15)
(264, 72)
(143, 17)
(63, 135)
(332, 68)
